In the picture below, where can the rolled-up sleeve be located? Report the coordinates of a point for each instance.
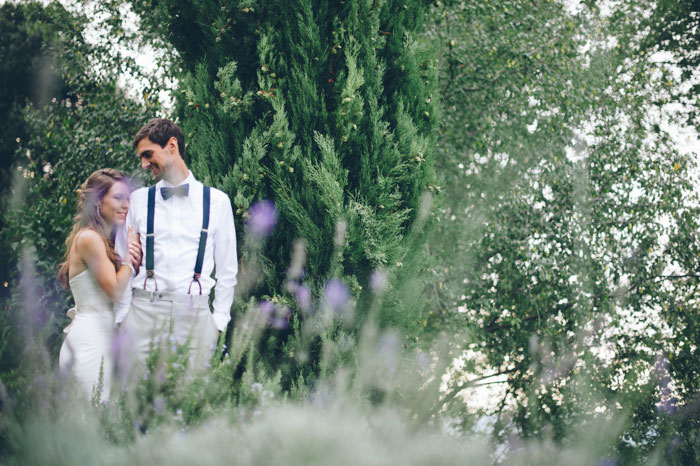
(226, 260)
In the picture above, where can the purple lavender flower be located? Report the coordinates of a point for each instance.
(303, 295)
(669, 406)
(281, 320)
(291, 286)
(378, 280)
(262, 218)
(675, 443)
(159, 403)
(120, 349)
(422, 360)
(662, 372)
(31, 292)
(661, 366)
(173, 342)
(267, 310)
(389, 346)
(549, 376)
(336, 295)
(279, 323)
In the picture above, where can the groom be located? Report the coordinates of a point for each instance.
(188, 230)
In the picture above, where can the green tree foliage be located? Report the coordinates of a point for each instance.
(30, 52)
(514, 87)
(68, 137)
(567, 206)
(327, 109)
(670, 37)
(671, 30)
(672, 26)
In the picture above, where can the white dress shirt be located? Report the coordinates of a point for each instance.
(177, 227)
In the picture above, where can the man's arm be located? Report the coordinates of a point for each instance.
(226, 261)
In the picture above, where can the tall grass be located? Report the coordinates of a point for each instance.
(376, 401)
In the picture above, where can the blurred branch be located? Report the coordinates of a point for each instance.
(472, 383)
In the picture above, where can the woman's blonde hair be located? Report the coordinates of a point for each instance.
(90, 196)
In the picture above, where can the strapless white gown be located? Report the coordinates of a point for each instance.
(87, 345)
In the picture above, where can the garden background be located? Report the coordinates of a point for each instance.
(467, 229)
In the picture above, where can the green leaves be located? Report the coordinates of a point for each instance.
(563, 194)
(87, 126)
(326, 109)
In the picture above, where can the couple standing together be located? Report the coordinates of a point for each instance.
(143, 262)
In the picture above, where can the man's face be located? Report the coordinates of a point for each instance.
(155, 158)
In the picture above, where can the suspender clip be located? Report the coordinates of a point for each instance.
(195, 278)
(150, 274)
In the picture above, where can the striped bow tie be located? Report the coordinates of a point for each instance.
(183, 190)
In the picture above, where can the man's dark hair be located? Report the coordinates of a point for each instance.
(160, 130)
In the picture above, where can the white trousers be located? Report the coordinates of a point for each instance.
(169, 318)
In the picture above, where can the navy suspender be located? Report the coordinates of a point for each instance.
(150, 236)
(202, 240)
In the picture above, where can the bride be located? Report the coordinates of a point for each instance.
(96, 276)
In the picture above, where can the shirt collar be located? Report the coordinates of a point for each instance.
(189, 180)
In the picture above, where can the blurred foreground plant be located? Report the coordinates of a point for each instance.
(381, 404)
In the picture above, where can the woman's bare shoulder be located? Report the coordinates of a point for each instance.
(88, 240)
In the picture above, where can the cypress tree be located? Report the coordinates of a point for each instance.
(328, 110)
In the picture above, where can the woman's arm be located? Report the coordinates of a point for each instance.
(90, 248)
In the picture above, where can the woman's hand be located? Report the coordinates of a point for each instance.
(134, 253)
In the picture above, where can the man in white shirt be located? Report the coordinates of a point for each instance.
(188, 231)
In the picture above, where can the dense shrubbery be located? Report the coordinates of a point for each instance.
(383, 406)
(329, 112)
(85, 127)
(549, 258)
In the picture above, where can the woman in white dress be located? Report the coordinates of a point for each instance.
(96, 276)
